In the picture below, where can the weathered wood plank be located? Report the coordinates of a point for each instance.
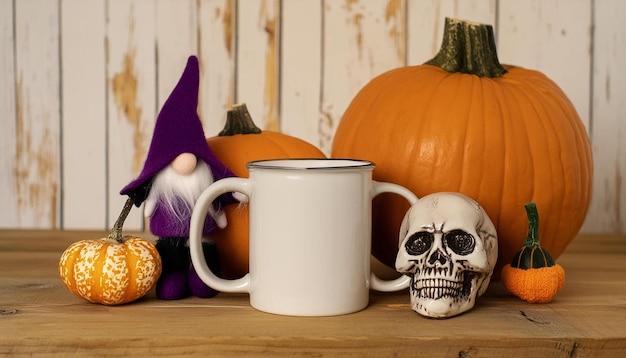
(132, 104)
(297, 65)
(37, 161)
(40, 316)
(361, 39)
(176, 40)
(258, 27)
(83, 81)
(301, 56)
(8, 126)
(608, 128)
(217, 55)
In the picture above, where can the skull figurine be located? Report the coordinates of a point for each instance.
(449, 246)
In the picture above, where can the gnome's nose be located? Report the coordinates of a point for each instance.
(185, 163)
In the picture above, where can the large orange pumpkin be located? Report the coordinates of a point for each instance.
(241, 142)
(503, 135)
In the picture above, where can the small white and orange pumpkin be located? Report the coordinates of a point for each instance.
(113, 270)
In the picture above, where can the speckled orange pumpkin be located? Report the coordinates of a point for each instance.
(112, 270)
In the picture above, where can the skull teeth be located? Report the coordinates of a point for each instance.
(435, 288)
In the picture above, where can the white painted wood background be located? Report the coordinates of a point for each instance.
(82, 81)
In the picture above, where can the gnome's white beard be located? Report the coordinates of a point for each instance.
(176, 193)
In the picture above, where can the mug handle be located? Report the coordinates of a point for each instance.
(403, 281)
(232, 184)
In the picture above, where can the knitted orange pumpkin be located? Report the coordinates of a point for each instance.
(502, 135)
(241, 141)
(533, 275)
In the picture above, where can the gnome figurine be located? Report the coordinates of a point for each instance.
(179, 166)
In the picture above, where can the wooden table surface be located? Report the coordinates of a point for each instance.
(39, 316)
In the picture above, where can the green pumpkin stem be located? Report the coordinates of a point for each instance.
(239, 121)
(115, 235)
(532, 255)
(532, 240)
(468, 48)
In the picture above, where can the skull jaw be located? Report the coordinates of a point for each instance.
(441, 308)
(439, 303)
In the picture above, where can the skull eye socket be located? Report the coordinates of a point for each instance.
(419, 243)
(460, 242)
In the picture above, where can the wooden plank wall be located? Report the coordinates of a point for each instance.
(82, 82)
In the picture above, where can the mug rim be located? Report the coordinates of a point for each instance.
(310, 163)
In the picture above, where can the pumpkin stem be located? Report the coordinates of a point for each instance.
(532, 255)
(468, 48)
(116, 232)
(239, 121)
(532, 240)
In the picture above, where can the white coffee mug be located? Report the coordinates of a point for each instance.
(310, 235)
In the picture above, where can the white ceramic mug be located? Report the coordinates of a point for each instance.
(310, 235)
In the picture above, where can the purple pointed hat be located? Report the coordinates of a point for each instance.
(178, 130)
